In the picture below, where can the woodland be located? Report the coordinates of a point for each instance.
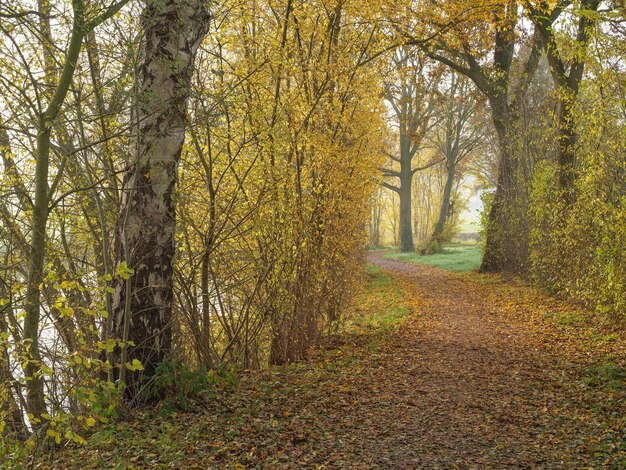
(216, 221)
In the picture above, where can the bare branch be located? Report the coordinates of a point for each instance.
(391, 187)
(428, 165)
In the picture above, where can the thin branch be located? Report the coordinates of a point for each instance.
(54, 203)
(388, 172)
(392, 156)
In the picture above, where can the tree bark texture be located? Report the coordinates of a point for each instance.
(506, 241)
(406, 182)
(445, 201)
(142, 307)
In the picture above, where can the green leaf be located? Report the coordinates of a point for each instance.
(135, 365)
(124, 271)
(54, 434)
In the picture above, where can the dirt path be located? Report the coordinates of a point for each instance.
(473, 378)
(484, 389)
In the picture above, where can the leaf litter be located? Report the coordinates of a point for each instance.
(467, 371)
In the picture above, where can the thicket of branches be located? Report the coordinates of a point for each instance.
(282, 126)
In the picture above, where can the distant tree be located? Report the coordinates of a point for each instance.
(377, 207)
(458, 138)
(481, 42)
(412, 95)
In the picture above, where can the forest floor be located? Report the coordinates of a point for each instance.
(441, 370)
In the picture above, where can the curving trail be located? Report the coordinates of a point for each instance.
(475, 377)
(484, 387)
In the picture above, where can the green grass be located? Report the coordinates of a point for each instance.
(566, 319)
(386, 321)
(381, 307)
(605, 374)
(457, 257)
(376, 276)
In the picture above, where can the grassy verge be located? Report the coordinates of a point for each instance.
(457, 257)
(381, 306)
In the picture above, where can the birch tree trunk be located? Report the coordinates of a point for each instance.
(142, 310)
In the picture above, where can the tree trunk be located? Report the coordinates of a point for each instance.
(10, 412)
(566, 154)
(204, 354)
(567, 76)
(142, 305)
(502, 238)
(445, 202)
(406, 194)
(375, 218)
(35, 399)
(406, 217)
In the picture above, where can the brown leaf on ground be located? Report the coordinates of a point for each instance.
(484, 372)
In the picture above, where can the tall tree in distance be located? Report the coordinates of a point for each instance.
(412, 96)
(143, 288)
(482, 43)
(457, 139)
